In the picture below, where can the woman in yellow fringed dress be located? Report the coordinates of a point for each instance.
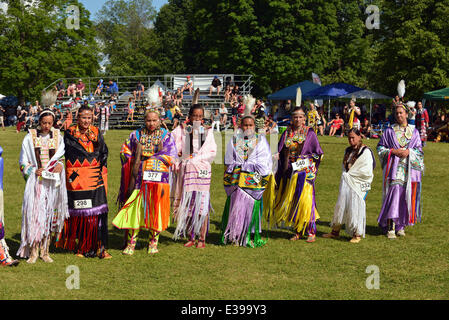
(299, 158)
(146, 159)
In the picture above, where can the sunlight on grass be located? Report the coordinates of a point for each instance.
(415, 267)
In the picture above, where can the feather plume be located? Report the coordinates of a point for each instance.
(152, 95)
(298, 97)
(49, 97)
(401, 89)
(249, 101)
(196, 96)
(411, 104)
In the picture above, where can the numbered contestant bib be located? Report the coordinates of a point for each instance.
(152, 176)
(301, 164)
(204, 174)
(82, 204)
(50, 175)
(365, 187)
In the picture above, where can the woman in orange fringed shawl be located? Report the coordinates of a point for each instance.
(145, 189)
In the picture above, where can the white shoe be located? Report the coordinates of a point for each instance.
(391, 235)
(401, 233)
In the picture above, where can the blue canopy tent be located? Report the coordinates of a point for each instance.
(331, 91)
(289, 93)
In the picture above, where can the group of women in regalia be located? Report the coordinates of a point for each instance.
(166, 171)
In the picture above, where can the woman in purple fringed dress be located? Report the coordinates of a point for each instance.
(300, 155)
(248, 175)
(402, 159)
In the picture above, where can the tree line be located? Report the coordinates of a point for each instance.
(279, 42)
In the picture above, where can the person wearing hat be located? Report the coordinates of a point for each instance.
(215, 85)
(402, 159)
(188, 85)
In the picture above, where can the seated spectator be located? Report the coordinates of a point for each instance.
(227, 94)
(177, 97)
(335, 124)
(99, 88)
(321, 121)
(215, 118)
(139, 92)
(80, 88)
(60, 87)
(59, 118)
(188, 85)
(169, 97)
(215, 86)
(271, 127)
(112, 88)
(176, 114)
(235, 93)
(223, 116)
(365, 129)
(112, 106)
(71, 90)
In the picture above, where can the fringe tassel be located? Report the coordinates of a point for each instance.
(124, 184)
(192, 214)
(269, 197)
(81, 234)
(240, 216)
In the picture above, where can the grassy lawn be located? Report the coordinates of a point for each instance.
(414, 267)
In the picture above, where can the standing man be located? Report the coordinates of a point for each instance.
(86, 153)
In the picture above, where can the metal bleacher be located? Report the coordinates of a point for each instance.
(167, 82)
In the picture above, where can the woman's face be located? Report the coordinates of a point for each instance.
(248, 125)
(84, 119)
(354, 140)
(197, 115)
(152, 121)
(298, 119)
(401, 116)
(46, 123)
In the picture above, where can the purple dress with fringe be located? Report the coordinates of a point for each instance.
(401, 180)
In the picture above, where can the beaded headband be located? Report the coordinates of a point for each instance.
(46, 111)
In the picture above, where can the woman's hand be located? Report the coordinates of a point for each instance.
(39, 172)
(58, 168)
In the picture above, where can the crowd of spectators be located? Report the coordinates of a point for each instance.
(269, 118)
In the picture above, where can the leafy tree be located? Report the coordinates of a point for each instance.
(414, 46)
(36, 47)
(171, 27)
(126, 34)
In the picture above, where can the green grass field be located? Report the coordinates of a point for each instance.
(414, 267)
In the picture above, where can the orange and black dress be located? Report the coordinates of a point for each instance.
(86, 231)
